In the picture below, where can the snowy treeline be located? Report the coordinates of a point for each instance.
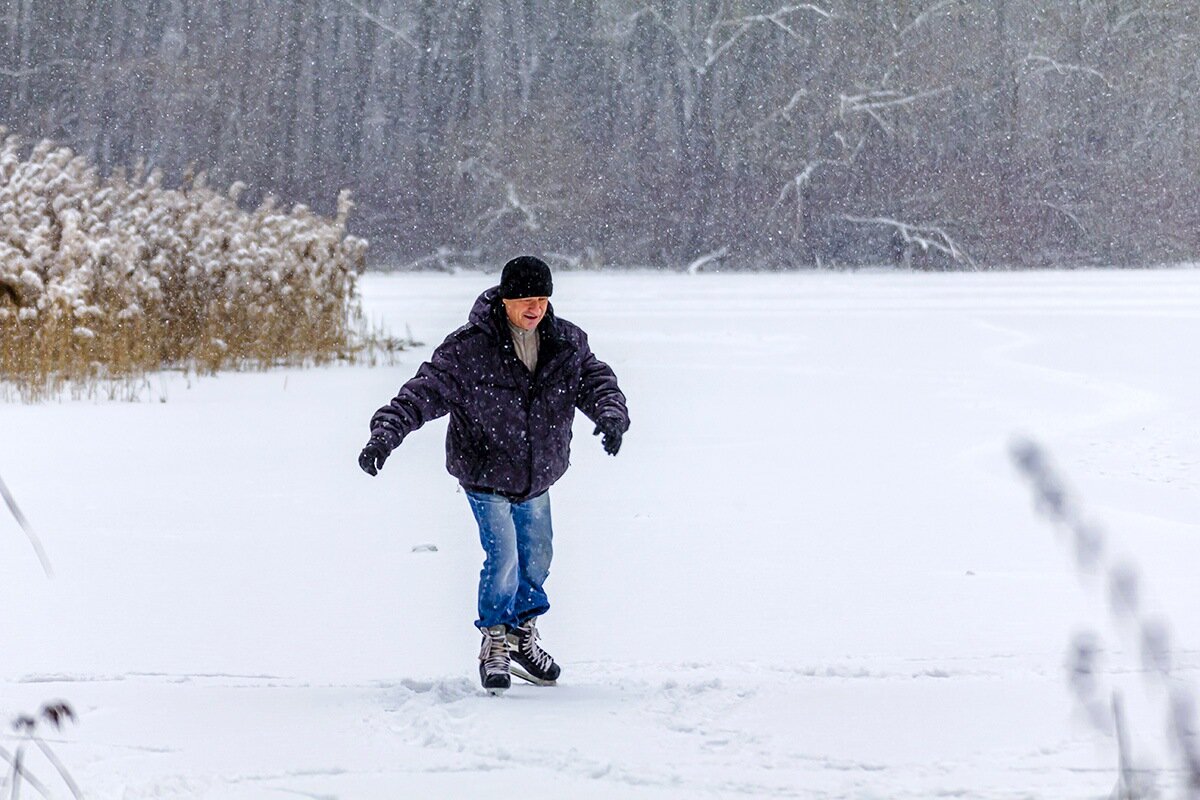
(934, 132)
(101, 278)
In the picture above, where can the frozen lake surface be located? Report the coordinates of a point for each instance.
(811, 571)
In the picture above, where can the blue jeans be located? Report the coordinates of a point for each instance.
(517, 546)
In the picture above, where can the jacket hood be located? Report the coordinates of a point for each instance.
(482, 313)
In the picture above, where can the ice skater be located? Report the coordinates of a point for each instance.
(510, 379)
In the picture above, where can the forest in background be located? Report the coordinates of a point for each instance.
(931, 133)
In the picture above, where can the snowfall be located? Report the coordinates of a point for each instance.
(812, 571)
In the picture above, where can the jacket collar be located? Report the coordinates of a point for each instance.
(488, 314)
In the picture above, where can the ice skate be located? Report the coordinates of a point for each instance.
(529, 661)
(494, 660)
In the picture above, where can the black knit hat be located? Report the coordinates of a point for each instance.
(525, 276)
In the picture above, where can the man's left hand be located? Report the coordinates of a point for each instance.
(611, 428)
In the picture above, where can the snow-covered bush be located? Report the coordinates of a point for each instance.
(109, 278)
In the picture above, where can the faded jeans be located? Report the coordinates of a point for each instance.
(517, 545)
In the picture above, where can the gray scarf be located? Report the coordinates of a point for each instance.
(526, 345)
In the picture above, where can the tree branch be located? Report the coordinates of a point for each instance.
(881, 100)
(785, 112)
(1066, 213)
(395, 32)
(926, 237)
(34, 70)
(924, 15)
(512, 204)
(697, 266)
(677, 36)
(775, 18)
(714, 51)
(1048, 64)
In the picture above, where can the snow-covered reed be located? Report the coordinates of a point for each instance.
(107, 278)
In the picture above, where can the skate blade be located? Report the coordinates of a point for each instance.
(517, 672)
(496, 691)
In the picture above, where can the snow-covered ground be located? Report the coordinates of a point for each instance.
(811, 571)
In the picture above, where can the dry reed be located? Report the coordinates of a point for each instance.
(103, 281)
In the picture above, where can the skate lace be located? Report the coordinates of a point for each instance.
(531, 650)
(495, 653)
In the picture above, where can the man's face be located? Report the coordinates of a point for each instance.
(526, 312)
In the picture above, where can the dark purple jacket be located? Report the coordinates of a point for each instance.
(510, 431)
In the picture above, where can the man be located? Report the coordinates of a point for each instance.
(510, 379)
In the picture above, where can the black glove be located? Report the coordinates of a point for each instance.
(611, 428)
(373, 455)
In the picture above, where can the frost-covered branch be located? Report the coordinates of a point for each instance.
(1043, 64)
(883, 99)
(714, 50)
(743, 25)
(924, 16)
(512, 203)
(783, 112)
(1124, 19)
(876, 103)
(699, 265)
(927, 237)
(677, 36)
(1066, 212)
(849, 150)
(26, 72)
(796, 186)
(445, 259)
(392, 30)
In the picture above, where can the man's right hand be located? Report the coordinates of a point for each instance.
(373, 455)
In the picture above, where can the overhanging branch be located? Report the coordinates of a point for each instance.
(395, 32)
(927, 237)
